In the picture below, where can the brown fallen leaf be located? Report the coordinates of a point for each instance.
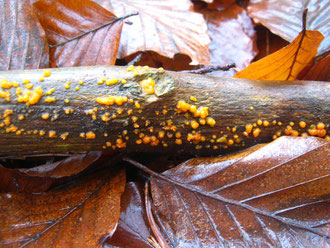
(232, 38)
(41, 178)
(133, 228)
(23, 41)
(64, 20)
(318, 71)
(267, 42)
(81, 215)
(286, 63)
(274, 196)
(283, 17)
(166, 27)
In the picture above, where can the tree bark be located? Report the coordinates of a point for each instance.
(153, 122)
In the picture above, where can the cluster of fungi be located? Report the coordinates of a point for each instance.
(110, 107)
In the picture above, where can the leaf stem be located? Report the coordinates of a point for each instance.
(95, 29)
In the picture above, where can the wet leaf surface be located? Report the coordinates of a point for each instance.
(63, 20)
(162, 28)
(42, 177)
(232, 38)
(23, 43)
(284, 17)
(80, 215)
(133, 229)
(286, 63)
(319, 71)
(274, 196)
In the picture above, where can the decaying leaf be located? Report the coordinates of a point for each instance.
(41, 178)
(232, 37)
(286, 63)
(133, 229)
(275, 195)
(22, 39)
(283, 17)
(319, 70)
(166, 27)
(82, 215)
(63, 20)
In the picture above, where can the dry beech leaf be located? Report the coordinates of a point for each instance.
(165, 26)
(232, 37)
(23, 41)
(41, 178)
(82, 215)
(286, 63)
(63, 20)
(283, 17)
(133, 229)
(319, 71)
(275, 195)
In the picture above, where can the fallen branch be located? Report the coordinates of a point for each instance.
(119, 108)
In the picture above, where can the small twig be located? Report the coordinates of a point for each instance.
(159, 237)
(95, 29)
(207, 69)
(255, 210)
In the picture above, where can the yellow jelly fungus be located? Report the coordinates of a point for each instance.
(230, 142)
(178, 141)
(5, 84)
(178, 135)
(41, 79)
(295, 133)
(64, 135)
(50, 99)
(80, 82)
(134, 118)
(120, 143)
(45, 116)
(26, 81)
(291, 124)
(77, 88)
(21, 117)
(90, 135)
(35, 96)
(259, 122)
(123, 81)
(5, 95)
(46, 73)
(11, 129)
(42, 133)
(112, 81)
(211, 122)
(194, 124)
(194, 99)
(66, 100)
(49, 92)
(130, 111)
(302, 124)
(148, 86)
(320, 125)
(130, 68)
(256, 132)
(202, 121)
(251, 108)
(15, 84)
(119, 111)
(137, 105)
(52, 134)
(266, 123)
(288, 130)
(82, 135)
(161, 134)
